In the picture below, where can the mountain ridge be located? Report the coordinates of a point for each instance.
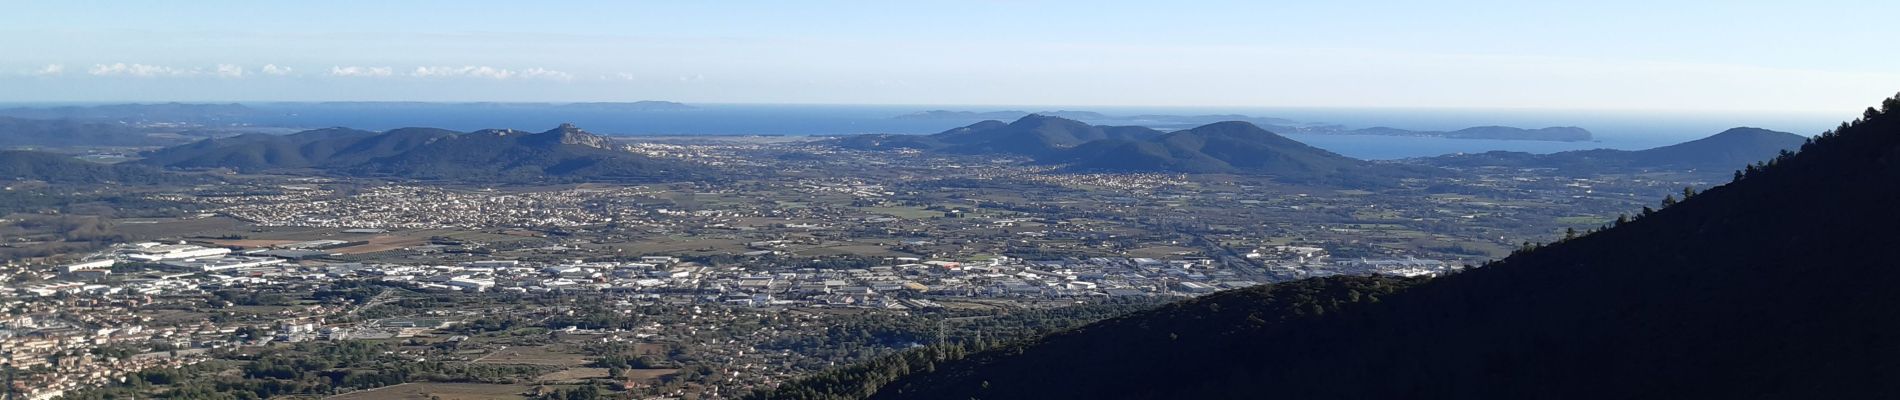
(1772, 286)
(1231, 147)
(57, 168)
(1033, 135)
(1721, 152)
(1167, 121)
(565, 153)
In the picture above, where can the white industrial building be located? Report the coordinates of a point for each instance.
(100, 264)
(224, 263)
(470, 284)
(154, 252)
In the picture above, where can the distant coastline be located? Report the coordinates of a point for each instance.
(1616, 130)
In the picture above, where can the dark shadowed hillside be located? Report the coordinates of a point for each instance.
(1036, 135)
(1231, 147)
(1719, 153)
(258, 151)
(60, 168)
(565, 153)
(501, 155)
(1732, 147)
(1166, 121)
(1032, 135)
(1224, 147)
(1228, 147)
(1779, 285)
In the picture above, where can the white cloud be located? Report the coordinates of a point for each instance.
(354, 71)
(486, 72)
(230, 71)
(137, 70)
(273, 69)
(49, 70)
(544, 73)
(458, 72)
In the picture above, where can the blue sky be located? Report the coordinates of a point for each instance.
(1613, 55)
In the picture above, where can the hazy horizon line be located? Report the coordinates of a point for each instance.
(1031, 108)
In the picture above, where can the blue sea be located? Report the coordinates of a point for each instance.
(1616, 130)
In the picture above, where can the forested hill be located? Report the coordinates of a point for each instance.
(1720, 152)
(1033, 135)
(1778, 285)
(1232, 147)
(562, 154)
(23, 165)
(1731, 147)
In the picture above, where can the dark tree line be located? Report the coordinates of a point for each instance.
(305, 369)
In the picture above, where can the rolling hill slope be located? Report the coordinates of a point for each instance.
(257, 151)
(1720, 153)
(1229, 148)
(1779, 285)
(61, 169)
(1232, 147)
(1032, 135)
(563, 154)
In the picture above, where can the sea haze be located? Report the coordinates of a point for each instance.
(1616, 130)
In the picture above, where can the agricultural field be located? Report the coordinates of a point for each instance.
(441, 391)
(558, 355)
